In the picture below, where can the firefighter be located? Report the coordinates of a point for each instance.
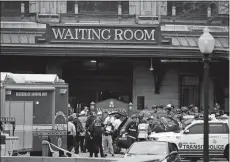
(132, 130)
(96, 134)
(143, 130)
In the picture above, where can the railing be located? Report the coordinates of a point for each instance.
(115, 18)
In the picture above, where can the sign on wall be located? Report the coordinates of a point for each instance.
(103, 34)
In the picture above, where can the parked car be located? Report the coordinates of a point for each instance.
(189, 141)
(122, 142)
(152, 151)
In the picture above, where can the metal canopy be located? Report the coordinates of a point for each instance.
(177, 40)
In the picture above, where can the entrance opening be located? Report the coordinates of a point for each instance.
(98, 79)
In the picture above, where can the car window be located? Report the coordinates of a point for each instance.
(170, 148)
(173, 147)
(196, 129)
(214, 128)
(218, 128)
(144, 148)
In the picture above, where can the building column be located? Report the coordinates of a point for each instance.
(54, 69)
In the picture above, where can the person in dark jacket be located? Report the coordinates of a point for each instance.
(96, 134)
(79, 129)
(132, 130)
(88, 136)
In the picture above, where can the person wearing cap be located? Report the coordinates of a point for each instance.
(70, 134)
(168, 109)
(132, 130)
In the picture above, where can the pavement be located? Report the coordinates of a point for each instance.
(121, 156)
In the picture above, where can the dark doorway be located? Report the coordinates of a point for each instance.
(97, 80)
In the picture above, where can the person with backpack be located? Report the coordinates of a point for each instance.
(78, 126)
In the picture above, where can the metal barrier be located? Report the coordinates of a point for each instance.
(9, 145)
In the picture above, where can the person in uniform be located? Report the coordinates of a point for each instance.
(96, 134)
(132, 130)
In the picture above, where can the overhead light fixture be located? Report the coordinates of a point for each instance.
(151, 67)
(93, 61)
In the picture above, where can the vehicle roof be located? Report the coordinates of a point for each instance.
(29, 78)
(154, 142)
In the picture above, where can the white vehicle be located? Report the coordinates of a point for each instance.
(189, 141)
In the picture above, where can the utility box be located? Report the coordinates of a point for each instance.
(39, 104)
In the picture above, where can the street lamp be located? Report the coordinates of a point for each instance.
(206, 44)
(130, 108)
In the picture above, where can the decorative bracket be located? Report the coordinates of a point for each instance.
(158, 74)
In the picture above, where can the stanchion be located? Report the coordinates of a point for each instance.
(45, 148)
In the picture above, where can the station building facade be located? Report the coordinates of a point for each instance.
(134, 54)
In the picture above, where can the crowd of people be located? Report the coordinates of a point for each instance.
(95, 135)
(97, 132)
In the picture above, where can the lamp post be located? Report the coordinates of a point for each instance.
(206, 44)
(130, 107)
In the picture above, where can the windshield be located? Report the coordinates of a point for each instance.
(149, 148)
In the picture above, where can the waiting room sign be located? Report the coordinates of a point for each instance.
(103, 34)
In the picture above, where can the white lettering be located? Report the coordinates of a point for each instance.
(82, 33)
(149, 35)
(131, 35)
(118, 34)
(103, 36)
(69, 34)
(58, 33)
(76, 33)
(32, 94)
(136, 34)
(96, 34)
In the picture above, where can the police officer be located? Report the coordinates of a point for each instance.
(132, 130)
(96, 130)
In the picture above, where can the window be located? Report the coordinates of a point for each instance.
(189, 90)
(125, 7)
(214, 128)
(98, 7)
(188, 8)
(13, 7)
(140, 102)
(71, 6)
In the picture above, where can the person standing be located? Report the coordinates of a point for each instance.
(132, 130)
(107, 138)
(78, 126)
(70, 134)
(96, 134)
(88, 137)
